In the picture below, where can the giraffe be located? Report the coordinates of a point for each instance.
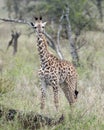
(54, 72)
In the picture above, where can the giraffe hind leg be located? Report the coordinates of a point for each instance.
(66, 91)
(69, 93)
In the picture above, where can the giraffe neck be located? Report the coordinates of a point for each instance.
(42, 49)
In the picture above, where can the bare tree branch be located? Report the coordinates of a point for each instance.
(16, 21)
(50, 41)
(79, 47)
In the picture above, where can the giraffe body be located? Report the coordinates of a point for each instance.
(55, 72)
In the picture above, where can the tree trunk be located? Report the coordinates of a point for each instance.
(99, 6)
(58, 37)
(15, 45)
(14, 41)
(73, 50)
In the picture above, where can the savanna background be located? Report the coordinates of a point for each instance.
(19, 81)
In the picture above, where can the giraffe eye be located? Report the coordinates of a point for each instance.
(35, 27)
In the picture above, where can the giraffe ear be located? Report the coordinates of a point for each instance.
(32, 24)
(44, 23)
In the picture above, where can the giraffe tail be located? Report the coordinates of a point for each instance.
(76, 94)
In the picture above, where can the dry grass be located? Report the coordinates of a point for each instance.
(86, 114)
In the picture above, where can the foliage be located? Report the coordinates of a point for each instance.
(52, 10)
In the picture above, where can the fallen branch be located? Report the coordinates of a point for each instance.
(28, 120)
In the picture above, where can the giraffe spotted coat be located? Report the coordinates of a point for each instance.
(54, 72)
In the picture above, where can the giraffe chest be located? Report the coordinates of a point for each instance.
(49, 74)
(53, 74)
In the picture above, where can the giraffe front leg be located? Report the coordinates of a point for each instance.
(56, 101)
(43, 93)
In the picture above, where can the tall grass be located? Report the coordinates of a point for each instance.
(22, 70)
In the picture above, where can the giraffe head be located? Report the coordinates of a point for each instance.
(39, 26)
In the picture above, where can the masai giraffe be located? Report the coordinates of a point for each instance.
(54, 72)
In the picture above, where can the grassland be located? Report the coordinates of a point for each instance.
(21, 90)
